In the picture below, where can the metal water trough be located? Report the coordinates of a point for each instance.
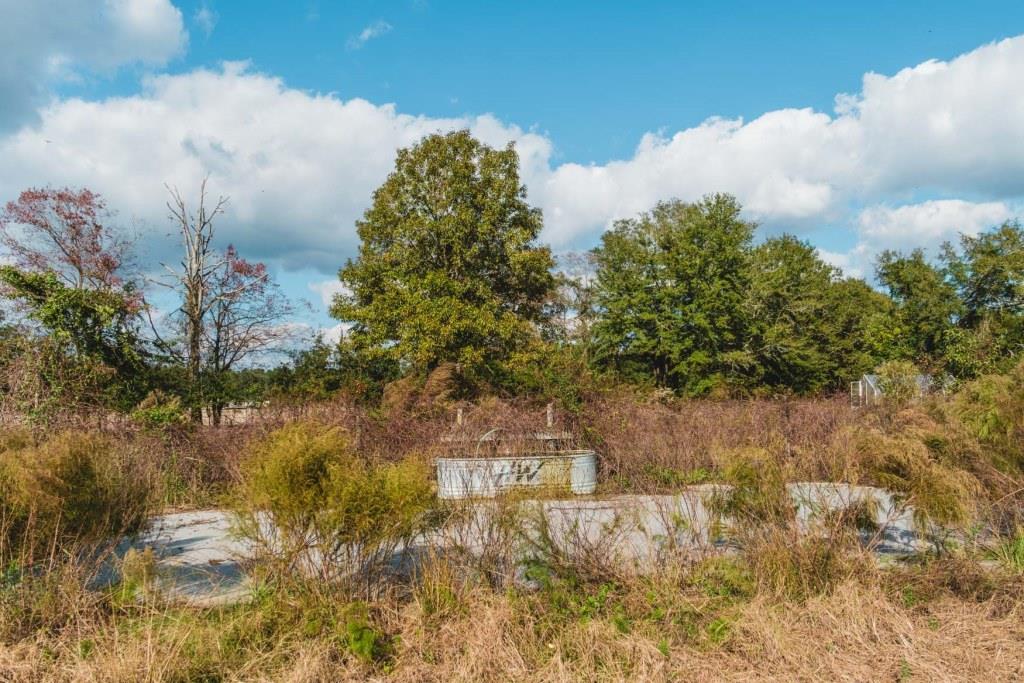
(542, 459)
(574, 471)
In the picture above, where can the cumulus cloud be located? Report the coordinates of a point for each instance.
(928, 223)
(374, 30)
(333, 334)
(48, 41)
(327, 289)
(851, 264)
(941, 127)
(301, 167)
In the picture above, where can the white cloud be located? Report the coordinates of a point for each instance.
(206, 19)
(849, 264)
(941, 127)
(327, 289)
(925, 224)
(301, 167)
(783, 165)
(46, 41)
(374, 30)
(928, 223)
(333, 334)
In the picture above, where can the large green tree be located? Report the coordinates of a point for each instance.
(789, 310)
(448, 267)
(860, 330)
(988, 273)
(670, 292)
(812, 330)
(926, 306)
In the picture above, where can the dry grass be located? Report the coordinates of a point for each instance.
(788, 606)
(858, 631)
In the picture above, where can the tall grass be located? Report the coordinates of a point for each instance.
(336, 493)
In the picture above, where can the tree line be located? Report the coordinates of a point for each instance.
(450, 277)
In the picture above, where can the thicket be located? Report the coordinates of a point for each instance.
(681, 298)
(67, 492)
(343, 479)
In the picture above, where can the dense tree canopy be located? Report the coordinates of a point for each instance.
(448, 268)
(670, 290)
(925, 305)
(807, 324)
(450, 277)
(987, 273)
(683, 298)
(89, 338)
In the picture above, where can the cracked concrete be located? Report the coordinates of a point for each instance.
(201, 562)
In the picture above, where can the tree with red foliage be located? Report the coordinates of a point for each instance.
(66, 232)
(246, 319)
(66, 272)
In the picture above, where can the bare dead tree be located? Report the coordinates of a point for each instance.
(230, 308)
(198, 266)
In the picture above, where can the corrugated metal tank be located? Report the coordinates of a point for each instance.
(574, 471)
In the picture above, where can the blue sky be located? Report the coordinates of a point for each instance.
(296, 109)
(594, 76)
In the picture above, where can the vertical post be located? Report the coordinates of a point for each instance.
(458, 416)
(551, 415)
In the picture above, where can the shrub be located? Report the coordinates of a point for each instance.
(992, 410)
(757, 493)
(941, 493)
(73, 487)
(159, 411)
(898, 381)
(311, 502)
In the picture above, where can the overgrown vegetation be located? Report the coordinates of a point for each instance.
(347, 489)
(313, 504)
(67, 490)
(684, 352)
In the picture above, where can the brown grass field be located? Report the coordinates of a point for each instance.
(784, 607)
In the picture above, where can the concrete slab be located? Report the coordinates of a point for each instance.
(201, 562)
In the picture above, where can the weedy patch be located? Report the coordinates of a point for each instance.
(312, 504)
(1009, 551)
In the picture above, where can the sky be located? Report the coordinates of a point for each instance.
(856, 126)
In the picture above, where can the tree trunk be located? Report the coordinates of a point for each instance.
(194, 341)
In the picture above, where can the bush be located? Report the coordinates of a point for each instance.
(159, 411)
(992, 410)
(898, 381)
(758, 493)
(74, 487)
(312, 503)
(909, 462)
